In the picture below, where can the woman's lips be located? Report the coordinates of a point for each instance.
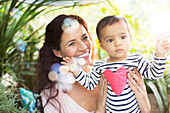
(84, 55)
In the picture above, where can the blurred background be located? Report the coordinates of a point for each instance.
(22, 29)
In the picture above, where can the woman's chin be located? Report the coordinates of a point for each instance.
(88, 62)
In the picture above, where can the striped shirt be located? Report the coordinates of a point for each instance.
(126, 102)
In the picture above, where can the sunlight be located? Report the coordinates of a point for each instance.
(160, 23)
(158, 14)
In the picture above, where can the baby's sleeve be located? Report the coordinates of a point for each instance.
(152, 69)
(89, 80)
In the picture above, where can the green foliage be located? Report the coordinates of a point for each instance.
(157, 95)
(14, 25)
(167, 81)
(8, 101)
(10, 25)
(160, 88)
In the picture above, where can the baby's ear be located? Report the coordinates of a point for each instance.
(101, 45)
(130, 37)
(56, 53)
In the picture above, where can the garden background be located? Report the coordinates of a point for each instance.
(22, 27)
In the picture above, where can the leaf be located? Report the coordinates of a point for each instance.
(157, 95)
(167, 78)
(163, 90)
(33, 33)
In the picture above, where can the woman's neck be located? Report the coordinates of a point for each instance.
(87, 96)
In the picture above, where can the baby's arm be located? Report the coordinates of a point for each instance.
(155, 69)
(89, 81)
(162, 47)
(152, 69)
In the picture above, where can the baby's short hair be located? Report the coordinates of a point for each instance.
(109, 20)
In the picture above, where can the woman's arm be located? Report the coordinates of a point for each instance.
(102, 95)
(137, 85)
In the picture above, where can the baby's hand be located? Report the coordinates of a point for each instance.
(71, 63)
(162, 47)
(67, 61)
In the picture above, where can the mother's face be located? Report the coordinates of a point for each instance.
(77, 44)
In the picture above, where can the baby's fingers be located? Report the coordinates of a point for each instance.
(167, 45)
(64, 63)
(67, 59)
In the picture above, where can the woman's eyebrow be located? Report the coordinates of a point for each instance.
(84, 35)
(70, 41)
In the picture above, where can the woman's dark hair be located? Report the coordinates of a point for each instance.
(47, 58)
(109, 20)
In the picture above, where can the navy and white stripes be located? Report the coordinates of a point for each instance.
(126, 102)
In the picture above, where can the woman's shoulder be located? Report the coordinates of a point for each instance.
(67, 104)
(50, 104)
(47, 93)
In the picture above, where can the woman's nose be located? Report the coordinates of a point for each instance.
(82, 46)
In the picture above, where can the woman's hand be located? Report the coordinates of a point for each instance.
(102, 95)
(137, 85)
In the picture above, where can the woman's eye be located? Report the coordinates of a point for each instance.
(110, 40)
(85, 38)
(71, 44)
(123, 37)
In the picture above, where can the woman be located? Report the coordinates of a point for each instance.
(59, 44)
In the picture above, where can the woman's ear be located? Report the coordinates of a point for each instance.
(56, 53)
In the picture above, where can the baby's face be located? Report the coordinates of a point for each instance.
(115, 40)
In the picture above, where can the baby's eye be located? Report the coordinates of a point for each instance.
(71, 44)
(110, 40)
(123, 37)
